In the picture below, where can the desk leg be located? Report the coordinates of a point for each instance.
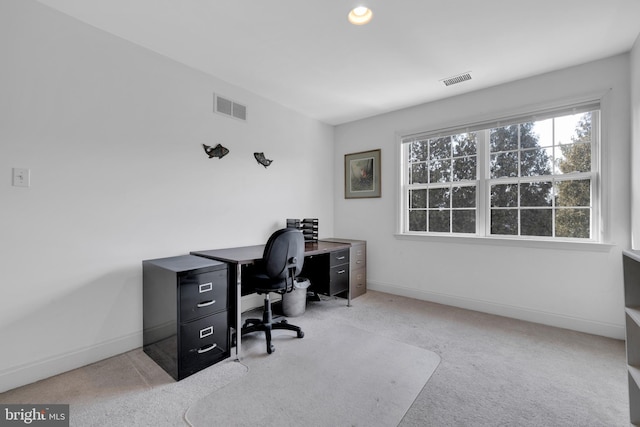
(238, 309)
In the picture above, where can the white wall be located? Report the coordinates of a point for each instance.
(112, 134)
(573, 287)
(635, 144)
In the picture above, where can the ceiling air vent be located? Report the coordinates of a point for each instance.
(229, 108)
(456, 79)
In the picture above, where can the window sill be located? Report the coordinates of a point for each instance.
(501, 241)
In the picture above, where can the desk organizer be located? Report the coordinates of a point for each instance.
(309, 227)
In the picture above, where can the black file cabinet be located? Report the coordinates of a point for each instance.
(185, 313)
(328, 273)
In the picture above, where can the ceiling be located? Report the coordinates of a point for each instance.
(306, 56)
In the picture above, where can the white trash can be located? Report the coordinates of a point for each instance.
(294, 303)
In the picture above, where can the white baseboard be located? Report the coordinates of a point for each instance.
(551, 319)
(28, 373)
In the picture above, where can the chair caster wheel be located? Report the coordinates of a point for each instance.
(271, 349)
(300, 334)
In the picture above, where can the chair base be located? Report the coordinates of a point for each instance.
(266, 325)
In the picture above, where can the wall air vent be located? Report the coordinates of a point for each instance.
(229, 108)
(456, 79)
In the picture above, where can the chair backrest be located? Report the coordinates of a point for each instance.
(284, 253)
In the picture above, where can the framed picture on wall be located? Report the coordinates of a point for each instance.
(362, 174)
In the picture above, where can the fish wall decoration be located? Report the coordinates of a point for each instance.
(262, 159)
(218, 151)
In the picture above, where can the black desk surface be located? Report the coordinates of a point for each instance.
(249, 254)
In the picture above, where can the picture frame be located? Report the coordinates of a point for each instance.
(362, 174)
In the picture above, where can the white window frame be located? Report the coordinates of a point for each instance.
(483, 208)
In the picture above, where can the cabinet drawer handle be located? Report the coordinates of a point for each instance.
(342, 271)
(206, 303)
(340, 257)
(205, 287)
(205, 349)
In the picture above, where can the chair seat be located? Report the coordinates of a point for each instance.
(263, 284)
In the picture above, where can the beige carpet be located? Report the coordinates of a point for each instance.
(494, 371)
(337, 375)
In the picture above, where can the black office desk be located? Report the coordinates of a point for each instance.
(247, 255)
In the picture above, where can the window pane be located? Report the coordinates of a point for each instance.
(572, 128)
(440, 171)
(584, 128)
(464, 168)
(535, 194)
(504, 221)
(464, 197)
(504, 195)
(440, 148)
(573, 223)
(573, 158)
(418, 199)
(418, 151)
(417, 220)
(504, 164)
(528, 138)
(536, 222)
(439, 221)
(543, 132)
(504, 138)
(536, 162)
(439, 198)
(419, 174)
(464, 221)
(574, 193)
(464, 144)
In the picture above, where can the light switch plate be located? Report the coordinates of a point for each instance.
(21, 177)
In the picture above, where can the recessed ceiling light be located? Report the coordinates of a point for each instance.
(360, 15)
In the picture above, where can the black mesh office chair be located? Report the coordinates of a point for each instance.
(281, 262)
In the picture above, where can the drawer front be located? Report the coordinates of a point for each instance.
(203, 294)
(358, 282)
(203, 342)
(339, 257)
(339, 279)
(359, 256)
